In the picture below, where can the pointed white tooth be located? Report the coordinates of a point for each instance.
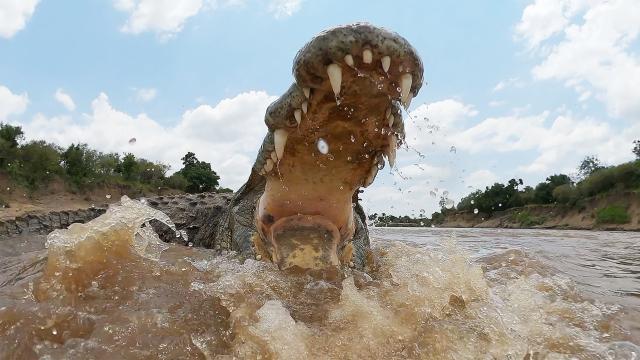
(367, 56)
(274, 157)
(348, 59)
(304, 106)
(297, 113)
(391, 119)
(306, 91)
(371, 175)
(268, 166)
(280, 140)
(386, 63)
(335, 77)
(408, 102)
(405, 86)
(390, 150)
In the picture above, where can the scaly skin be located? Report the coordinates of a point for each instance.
(328, 136)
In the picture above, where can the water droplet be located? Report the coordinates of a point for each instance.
(108, 196)
(132, 141)
(353, 138)
(54, 331)
(449, 203)
(500, 205)
(330, 157)
(452, 149)
(475, 211)
(473, 202)
(322, 145)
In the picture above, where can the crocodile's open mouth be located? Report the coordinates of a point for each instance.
(329, 134)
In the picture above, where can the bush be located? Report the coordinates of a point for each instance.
(565, 194)
(614, 214)
(177, 181)
(621, 177)
(525, 219)
(36, 165)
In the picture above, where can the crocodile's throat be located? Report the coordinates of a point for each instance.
(329, 134)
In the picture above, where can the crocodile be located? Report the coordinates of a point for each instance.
(329, 134)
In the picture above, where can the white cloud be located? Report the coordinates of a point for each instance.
(481, 178)
(502, 134)
(594, 55)
(284, 8)
(433, 122)
(164, 17)
(146, 94)
(65, 99)
(425, 170)
(515, 82)
(14, 15)
(11, 103)
(227, 135)
(559, 142)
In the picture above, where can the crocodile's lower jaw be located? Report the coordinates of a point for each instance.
(329, 136)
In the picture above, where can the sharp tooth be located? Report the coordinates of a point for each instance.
(390, 150)
(268, 166)
(408, 102)
(405, 86)
(367, 56)
(304, 107)
(335, 77)
(280, 140)
(348, 59)
(386, 62)
(297, 113)
(371, 175)
(274, 157)
(391, 118)
(306, 91)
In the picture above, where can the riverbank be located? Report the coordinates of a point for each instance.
(590, 214)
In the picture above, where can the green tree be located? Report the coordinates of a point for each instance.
(10, 137)
(37, 163)
(108, 164)
(199, 175)
(543, 193)
(129, 167)
(79, 163)
(588, 166)
(636, 149)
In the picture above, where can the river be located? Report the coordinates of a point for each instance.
(111, 290)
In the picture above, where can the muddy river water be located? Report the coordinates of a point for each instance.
(111, 290)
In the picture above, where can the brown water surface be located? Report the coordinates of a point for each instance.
(110, 289)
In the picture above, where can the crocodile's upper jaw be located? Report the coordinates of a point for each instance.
(329, 134)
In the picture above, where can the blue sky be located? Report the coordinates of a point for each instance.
(519, 88)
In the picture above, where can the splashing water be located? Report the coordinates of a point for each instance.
(111, 287)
